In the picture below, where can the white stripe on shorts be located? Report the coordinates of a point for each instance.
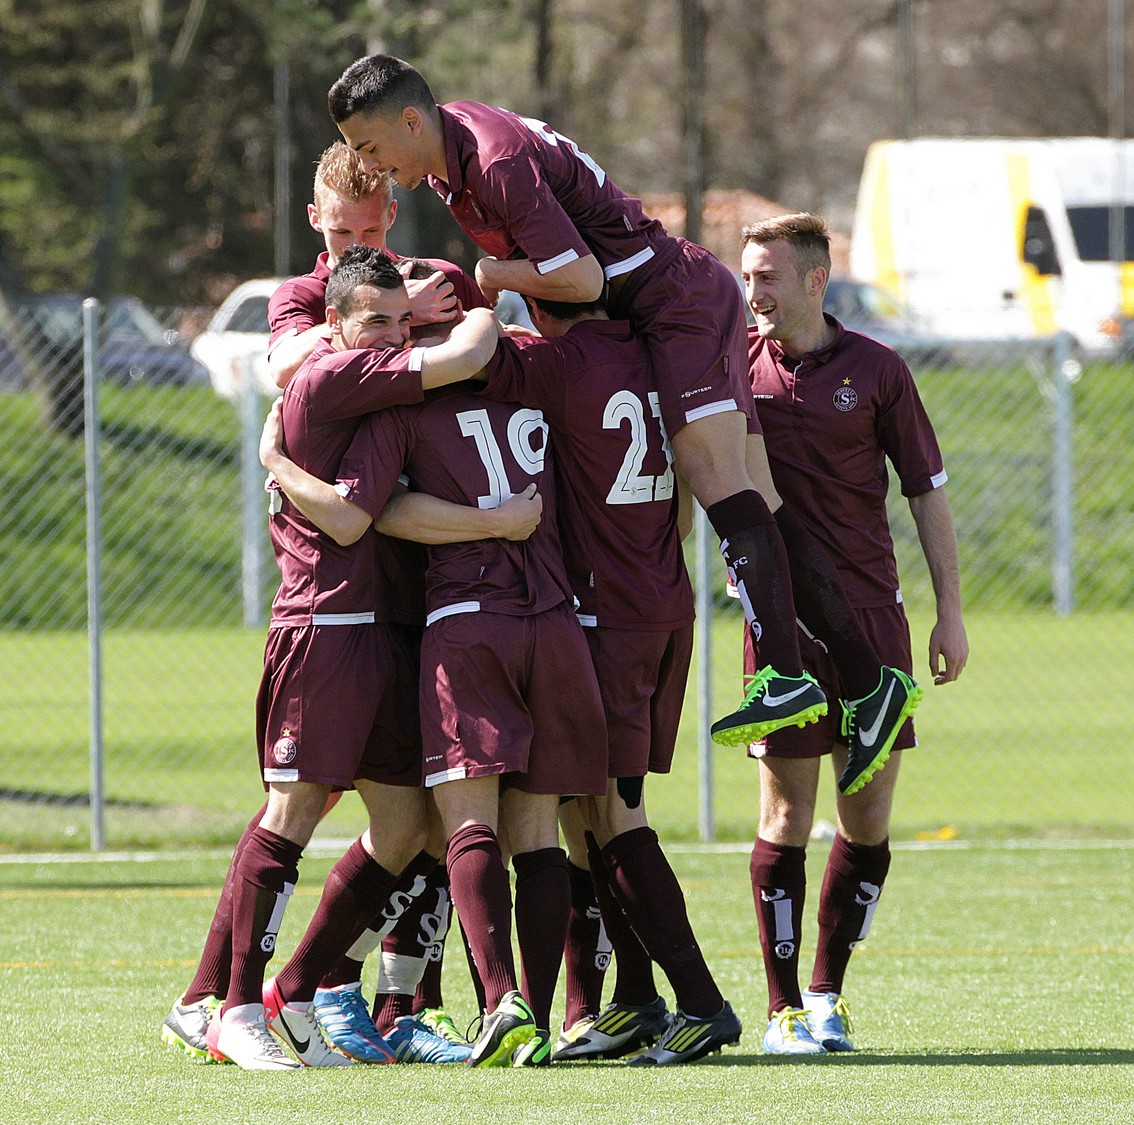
(343, 618)
(458, 773)
(450, 610)
(281, 775)
(617, 269)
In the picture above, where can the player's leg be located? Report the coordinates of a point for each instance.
(482, 896)
(586, 954)
(543, 903)
(852, 886)
(777, 869)
(266, 874)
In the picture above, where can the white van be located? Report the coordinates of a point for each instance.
(990, 238)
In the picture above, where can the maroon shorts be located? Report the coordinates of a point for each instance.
(886, 626)
(516, 696)
(318, 699)
(393, 747)
(641, 677)
(690, 310)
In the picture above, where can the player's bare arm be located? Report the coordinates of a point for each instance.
(431, 520)
(580, 280)
(288, 355)
(948, 644)
(469, 347)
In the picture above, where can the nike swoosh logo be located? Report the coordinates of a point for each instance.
(869, 735)
(776, 700)
(300, 1047)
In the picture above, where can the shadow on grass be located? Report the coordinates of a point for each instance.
(133, 438)
(69, 800)
(1057, 1057)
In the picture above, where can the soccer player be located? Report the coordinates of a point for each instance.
(555, 227)
(325, 659)
(835, 406)
(594, 382)
(352, 207)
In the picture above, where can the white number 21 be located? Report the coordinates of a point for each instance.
(631, 486)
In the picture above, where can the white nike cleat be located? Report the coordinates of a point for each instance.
(297, 1027)
(871, 726)
(242, 1037)
(773, 701)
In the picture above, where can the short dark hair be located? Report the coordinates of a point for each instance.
(378, 84)
(567, 310)
(806, 234)
(358, 266)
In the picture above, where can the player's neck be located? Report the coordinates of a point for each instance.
(812, 337)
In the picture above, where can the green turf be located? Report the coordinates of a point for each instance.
(993, 988)
(1033, 740)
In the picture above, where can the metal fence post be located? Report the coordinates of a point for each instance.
(91, 435)
(253, 499)
(704, 544)
(1065, 371)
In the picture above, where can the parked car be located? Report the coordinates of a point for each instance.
(872, 311)
(236, 339)
(133, 346)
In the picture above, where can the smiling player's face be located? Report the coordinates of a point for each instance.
(380, 319)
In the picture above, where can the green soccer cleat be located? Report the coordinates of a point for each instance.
(441, 1023)
(186, 1025)
(773, 701)
(871, 725)
(503, 1032)
(536, 1051)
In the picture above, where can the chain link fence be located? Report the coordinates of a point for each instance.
(142, 510)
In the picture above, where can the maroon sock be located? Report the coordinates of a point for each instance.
(483, 899)
(474, 976)
(634, 977)
(852, 885)
(352, 888)
(411, 882)
(211, 978)
(265, 878)
(543, 903)
(648, 891)
(779, 881)
(434, 929)
(586, 955)
(822, 605)
(408, 925)
(757, 563)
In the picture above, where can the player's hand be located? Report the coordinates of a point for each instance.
(271, 436)
(948, 650)
(433, 299)
(520, 514)
(491, 292)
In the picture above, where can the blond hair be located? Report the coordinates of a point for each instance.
(340, 172)
(808, 236)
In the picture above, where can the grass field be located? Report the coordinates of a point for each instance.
(1034, 739)
(994, 988)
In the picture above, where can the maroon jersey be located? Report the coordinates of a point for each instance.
(300, 302)
(520, 190)
(595, 386)
(469, 450)
(321, 410)
(831, 419)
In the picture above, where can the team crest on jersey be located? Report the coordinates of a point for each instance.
(285, 748)
(846, 397)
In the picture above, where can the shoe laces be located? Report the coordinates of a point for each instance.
(353, 1006)
(842, 1009)
(265, 1040)
(759, 683)
(787, 1018)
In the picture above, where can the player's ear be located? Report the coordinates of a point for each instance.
(313, 217)
(392, 214)
(413, 120)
